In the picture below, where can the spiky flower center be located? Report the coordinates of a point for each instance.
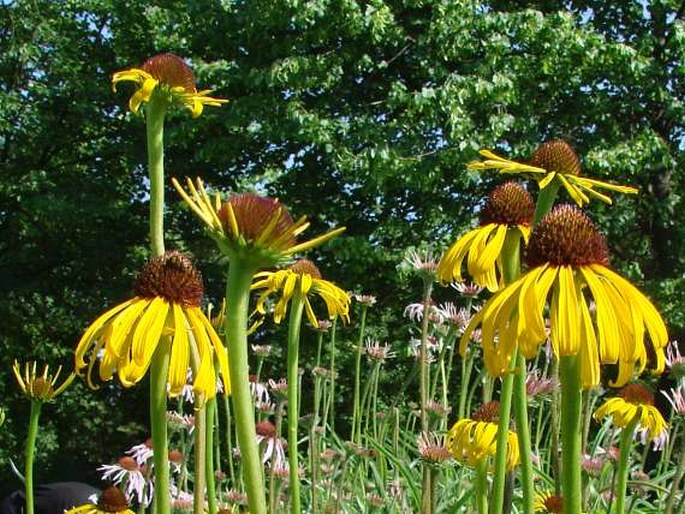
(266, 429)
(112, 500)
(305, 266)
(566, 237)
(255, 215)
(556, 155)
(173, 277)
(554, 504)
(508, 204)
(487, 413)
(128, 463)
(41, 388)
(171, 70)
(637, 394)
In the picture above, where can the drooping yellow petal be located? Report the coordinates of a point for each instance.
(149, 330)
(180, 352)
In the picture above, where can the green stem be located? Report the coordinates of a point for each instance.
(510, 270)
(295, 321)
(523, 432)
(423, 361)
(675, 484)
(571, 433)
(159, 367)
(623, 464)
(545, 200)
(481, 488)
(200, 477)
(356, 414)
(237, 298)
(210, 409)
(229, 440)
(30, 451)
(330, 401)
(499, 479)
(155, 111)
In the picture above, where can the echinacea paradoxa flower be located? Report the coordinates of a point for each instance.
(111, 501)
(167, 304)
(39, 387)
(167, 75)
(303, 278)
(509, 207)
(549, 502)
(554, 159)
(257, 228)
(568, 266)
(634, 401)
(472, 441)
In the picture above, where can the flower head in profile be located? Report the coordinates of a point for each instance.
(554, 160)
(509, 207)
(167, 304)
(301, 279)
(676, 397)
(128, 474)
(635, 401)
(472, 441)
(256, 228)
(548, 501)
(170, 77)
(39, 387)
(568, 266)
(110, 501)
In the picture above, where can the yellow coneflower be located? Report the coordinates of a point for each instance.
(554, 159)
(250, 225)
(167, 304)
(39, 387)
(302, 278)
(634, 401)
(472, 441)
(548, 501)
(509, 207)
(168, 75)
(568, 262)
(111, 501)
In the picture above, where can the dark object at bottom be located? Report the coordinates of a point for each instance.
(52, 498)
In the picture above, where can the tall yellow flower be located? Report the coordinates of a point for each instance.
(634, 401)
(39, 387)
(568, 262)
(168, 75)
(302, 278)
(167, 304)
(111, 501)
(257, 228)
(472, 441)
(509, 207)
(554, 160)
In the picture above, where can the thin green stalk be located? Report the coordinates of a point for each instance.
(481, 488)
(424, 372)
(466, 368)
(237, 298)
(624, 464)
(510, 269)
(210, 408)
(273, 489)
(155, 112)
(356, 414)
(159, 367)
(294, 323)
(500, 471)
(571, 433)
(36, 407)
(229, 440)
(330, 400)
(200, 477)
(523, 432)
(675, 484)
